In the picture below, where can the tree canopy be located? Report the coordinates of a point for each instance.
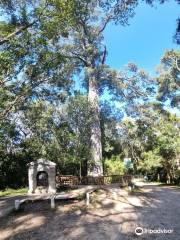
(47, 45)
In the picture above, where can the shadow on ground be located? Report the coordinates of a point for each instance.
(115, 218)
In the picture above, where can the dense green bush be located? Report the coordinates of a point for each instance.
(13, 171)
(114, 166)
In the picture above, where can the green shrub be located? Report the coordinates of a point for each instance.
(114, 166)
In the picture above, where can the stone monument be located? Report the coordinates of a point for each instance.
(41, 176)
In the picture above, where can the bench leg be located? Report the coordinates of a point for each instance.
(17, 204)
(52, 203)
(87, 199)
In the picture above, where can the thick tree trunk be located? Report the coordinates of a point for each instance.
(95, 167)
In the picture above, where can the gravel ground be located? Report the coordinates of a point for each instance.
(111, 215)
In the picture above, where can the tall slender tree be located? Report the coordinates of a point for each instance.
(90, 52)
(51, 41)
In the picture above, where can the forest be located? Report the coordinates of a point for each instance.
(47, 47)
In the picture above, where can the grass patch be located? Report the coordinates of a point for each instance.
(13, 192)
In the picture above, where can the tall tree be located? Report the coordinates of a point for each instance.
(50, 41)
(88, 49)
(168, 79)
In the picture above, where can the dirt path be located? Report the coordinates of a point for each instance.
(7, 204)
(112, 215)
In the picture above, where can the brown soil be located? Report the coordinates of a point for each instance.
(111, 215)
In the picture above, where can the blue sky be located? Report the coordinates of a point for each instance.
(144, 41)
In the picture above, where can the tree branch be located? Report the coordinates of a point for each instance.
(22, 28)
(109, 17)
(104, 55)
(105, 24)
(15, 33)
(11, 105)
(176, 61)
(76, 55)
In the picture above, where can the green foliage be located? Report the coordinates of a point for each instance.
(12, 192)
(44, 46)
(114, 166)
(150, 161)
(168, 79)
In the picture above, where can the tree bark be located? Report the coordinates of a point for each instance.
(95, 167)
